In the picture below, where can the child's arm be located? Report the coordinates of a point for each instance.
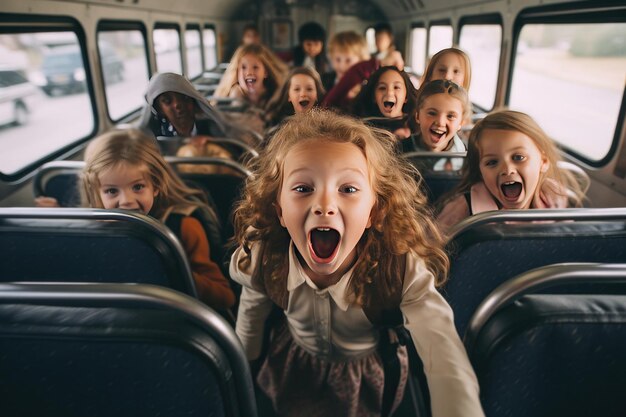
(355, 75)
(212, 286)
(451, 380)
(254, 306)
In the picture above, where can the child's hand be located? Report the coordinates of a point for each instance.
(395, 59)
(46, 202)
(402, 133)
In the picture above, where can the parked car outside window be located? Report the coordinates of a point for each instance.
(16, 96)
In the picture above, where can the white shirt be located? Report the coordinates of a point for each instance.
(325, 324)
(457, 163)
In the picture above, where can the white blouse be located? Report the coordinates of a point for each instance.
(327, 325)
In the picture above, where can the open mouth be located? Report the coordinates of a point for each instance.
(511, 190)
(437, 134)
(250, 81)
(304, 103)
(324, 244)
(388, 105)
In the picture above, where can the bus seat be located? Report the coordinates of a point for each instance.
(240, 150)
(59, 179)
(538, 354)
(489, 248)
(224, 188)
(90, 245)
(437, 183)
(117, 350)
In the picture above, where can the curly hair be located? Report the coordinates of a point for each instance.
(365, 102)
(134, 148)
(401, 218)
(523, 123)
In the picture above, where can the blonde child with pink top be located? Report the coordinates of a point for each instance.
(511, 164)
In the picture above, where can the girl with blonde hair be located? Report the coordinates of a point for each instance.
(511, 164)
(124, 170)
(254, 74)
(449, 64)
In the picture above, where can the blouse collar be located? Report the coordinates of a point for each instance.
(297, 277)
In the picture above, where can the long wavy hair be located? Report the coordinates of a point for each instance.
(402, 221)
(280, 107)
(134, 148)
(519, 122)
(275, 68)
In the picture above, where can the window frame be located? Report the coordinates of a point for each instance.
(585, 12)
(438, 22)
(108, 25)
(12, 23)
(485, 19)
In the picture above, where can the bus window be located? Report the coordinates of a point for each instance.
(482, 44)
(418, 50)
(210, 47)
(193, 51)
(44, 96)
(439, 37)
(167, 49)
(570, 78)
(124, 66)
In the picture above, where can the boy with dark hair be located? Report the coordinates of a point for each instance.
(311, 52)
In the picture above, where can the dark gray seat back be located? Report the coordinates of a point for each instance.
(90, 245)
(552, 354)
(117, 350)
(489, 248)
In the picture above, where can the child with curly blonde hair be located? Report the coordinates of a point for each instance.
(334, 230)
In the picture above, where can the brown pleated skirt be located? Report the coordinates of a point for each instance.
(301, 384)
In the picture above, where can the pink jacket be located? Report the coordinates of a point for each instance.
(551, 196)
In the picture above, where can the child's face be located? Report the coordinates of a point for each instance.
(312, 48)
(250, 36)
(440, 118)
(383, 41)
(511, 165)
(450, 67)
(325, 203)
(251, 74)
(177, 108)
(342, 61)
(127, 187)
(302, 93)
(390, 94)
